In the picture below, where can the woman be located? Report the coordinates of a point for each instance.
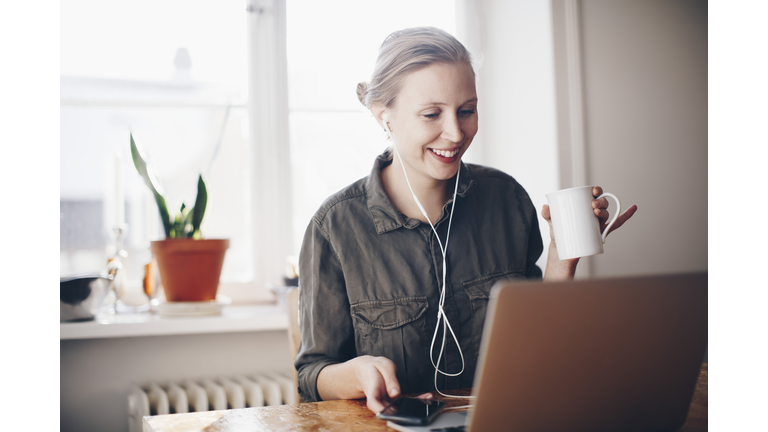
(396, 268)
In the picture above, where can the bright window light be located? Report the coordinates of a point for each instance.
(174, 73)
(332, 45)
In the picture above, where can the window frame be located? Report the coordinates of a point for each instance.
(270, 155)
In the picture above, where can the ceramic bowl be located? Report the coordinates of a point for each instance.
(82, 296)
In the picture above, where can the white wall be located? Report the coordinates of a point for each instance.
(644, 87)
(644, 67)
(518, 124)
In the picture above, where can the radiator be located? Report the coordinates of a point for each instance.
(207, 394)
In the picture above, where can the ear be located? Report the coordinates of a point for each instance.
(379, 110)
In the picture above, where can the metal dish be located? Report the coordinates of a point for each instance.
(81, 296)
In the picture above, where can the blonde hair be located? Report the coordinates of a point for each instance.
(406, 51)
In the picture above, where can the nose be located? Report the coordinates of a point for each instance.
(452, 129)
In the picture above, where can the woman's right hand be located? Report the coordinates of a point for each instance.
(369, 377)
(377, 380)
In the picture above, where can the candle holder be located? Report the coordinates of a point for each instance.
(118, 260)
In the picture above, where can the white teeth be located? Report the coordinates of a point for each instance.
(445, 153)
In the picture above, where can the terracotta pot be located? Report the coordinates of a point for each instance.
(190, 269)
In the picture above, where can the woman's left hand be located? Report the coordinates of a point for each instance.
(599, 206)
(565, 269)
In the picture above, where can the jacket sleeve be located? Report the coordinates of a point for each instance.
(327, 335)
(535, 247)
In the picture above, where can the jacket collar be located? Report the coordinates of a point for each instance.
(386, 217)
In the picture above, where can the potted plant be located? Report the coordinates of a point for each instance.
(189, 265)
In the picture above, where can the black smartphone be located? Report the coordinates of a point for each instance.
(411, 411)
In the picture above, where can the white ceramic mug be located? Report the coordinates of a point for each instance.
(577, 229)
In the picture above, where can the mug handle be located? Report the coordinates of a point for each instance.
(616, 216)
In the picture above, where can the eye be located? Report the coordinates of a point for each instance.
(466, 112)
(431, 115)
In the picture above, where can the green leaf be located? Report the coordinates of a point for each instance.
(200, 202)
(188, 230)
(151, 181)
(178, 226)
(164, 216)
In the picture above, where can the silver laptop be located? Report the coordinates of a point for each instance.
(619, 354)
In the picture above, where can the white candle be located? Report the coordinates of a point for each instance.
(119, 199)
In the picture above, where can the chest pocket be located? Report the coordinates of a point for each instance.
(479, 292)
(390, 328)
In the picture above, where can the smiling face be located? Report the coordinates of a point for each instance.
(433, 120)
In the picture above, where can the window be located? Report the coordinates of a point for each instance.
(175, 74)
(334, 139)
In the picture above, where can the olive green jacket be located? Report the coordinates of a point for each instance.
(370, 277)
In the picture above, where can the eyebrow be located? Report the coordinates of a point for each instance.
(443, 103)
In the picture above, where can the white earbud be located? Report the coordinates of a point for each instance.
(384, 120)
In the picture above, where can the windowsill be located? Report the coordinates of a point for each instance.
(233, 318)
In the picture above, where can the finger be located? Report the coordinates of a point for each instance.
(548, 217)
(545, 213)
(376, 405)
(597, 191)
(600, 203)
(375, 393)
(603, 215)
(623, 218)
(425, 396)
(387, 370)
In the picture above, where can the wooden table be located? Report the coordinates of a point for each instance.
(342, 415)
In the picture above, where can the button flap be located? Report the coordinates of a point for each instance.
(390, 314)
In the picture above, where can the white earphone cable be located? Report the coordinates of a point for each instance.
(443, 248)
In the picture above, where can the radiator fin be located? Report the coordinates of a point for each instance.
(138, 407)
(271, 389)
(158, 400)
(217, 398)
(286, 388)
(196, 396)
(254, 395)
(234, 392)
(177, 398)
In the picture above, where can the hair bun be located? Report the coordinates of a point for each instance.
(362, 90)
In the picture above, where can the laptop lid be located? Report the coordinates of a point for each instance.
(591, 355)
